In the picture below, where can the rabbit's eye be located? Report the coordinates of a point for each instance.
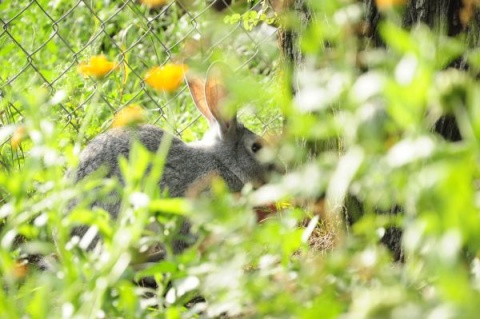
(256, 147)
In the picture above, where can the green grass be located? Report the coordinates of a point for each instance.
(353, 133)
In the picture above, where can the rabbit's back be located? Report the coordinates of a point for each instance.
(105, 149)
(186, 165)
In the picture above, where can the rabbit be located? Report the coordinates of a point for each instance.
(228, 149)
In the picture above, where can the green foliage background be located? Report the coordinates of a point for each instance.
(373, 107)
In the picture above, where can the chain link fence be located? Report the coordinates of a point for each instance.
(42, 44)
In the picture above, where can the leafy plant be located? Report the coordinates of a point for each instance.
(357, 138)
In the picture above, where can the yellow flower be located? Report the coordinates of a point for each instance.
(129, 116)
(18, 136)
(166, 78)
(386, 4)
(98, 66)
(154, 3)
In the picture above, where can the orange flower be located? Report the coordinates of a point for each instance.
(129, 116)
(18, 136)
(468, 10)
(20, 270)
(98, 66)
(166, 78)
(154, 3)
(386, 4)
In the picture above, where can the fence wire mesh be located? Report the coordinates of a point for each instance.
(42, 44)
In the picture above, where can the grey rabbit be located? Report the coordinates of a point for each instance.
(228, 150)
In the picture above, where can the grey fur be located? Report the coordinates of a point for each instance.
(226, 150)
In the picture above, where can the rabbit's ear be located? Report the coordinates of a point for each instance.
(197, 90)
(215, 94)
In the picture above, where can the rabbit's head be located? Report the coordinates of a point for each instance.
(238, 148)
